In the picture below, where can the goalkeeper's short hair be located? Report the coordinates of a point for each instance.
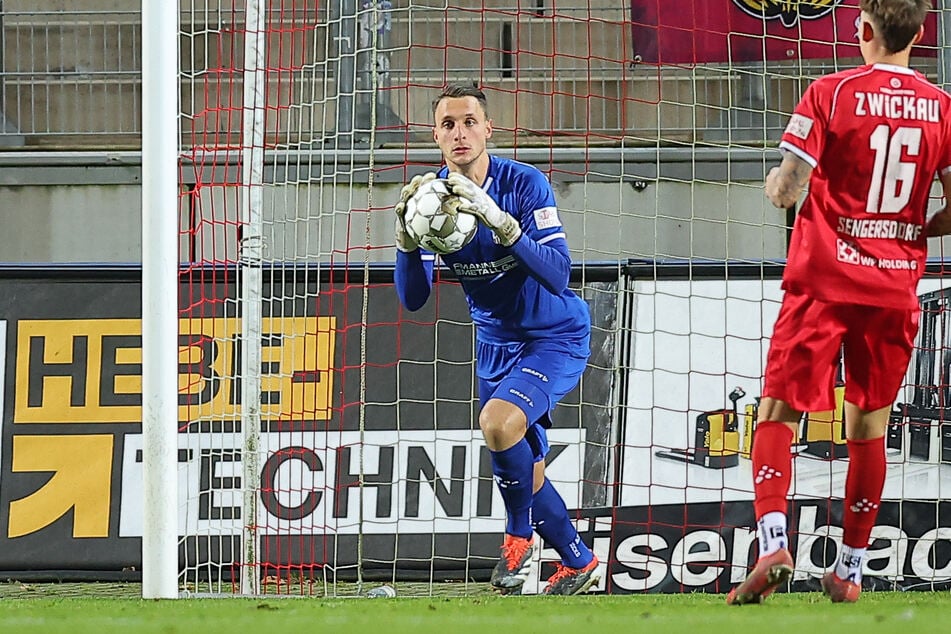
(456, 91)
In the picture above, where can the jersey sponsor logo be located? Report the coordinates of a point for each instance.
(895, 264)
(799, 126)
(789, 13)
(485, 269)
(879, 229)
(846, 252)
(547, 218)
(897, 106)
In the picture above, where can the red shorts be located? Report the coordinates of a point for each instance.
(803, 359)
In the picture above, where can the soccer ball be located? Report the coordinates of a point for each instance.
(434, 221)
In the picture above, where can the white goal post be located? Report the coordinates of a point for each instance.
(160, 243)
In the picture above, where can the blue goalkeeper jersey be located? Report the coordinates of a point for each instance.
(504, 285)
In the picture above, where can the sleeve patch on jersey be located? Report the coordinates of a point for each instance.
(799, 126)
(546, 218)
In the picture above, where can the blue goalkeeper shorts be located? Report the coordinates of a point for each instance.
(533, 376)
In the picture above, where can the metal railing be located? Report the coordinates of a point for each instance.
(70, 73)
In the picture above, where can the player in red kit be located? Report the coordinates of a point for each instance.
(869, 142)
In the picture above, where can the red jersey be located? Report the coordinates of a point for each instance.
(876, 136)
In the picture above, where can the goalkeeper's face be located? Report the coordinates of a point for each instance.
(461, 132)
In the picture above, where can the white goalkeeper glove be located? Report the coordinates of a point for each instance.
(478, 203)
(404, 241)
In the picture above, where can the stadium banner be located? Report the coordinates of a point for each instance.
(71, 442)
(661, 478)
(687, 32)
(709, 546)
(697, 349)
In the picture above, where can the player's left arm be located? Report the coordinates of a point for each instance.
(785, 184)
(548, 262)
(546, 259)
(940, 223)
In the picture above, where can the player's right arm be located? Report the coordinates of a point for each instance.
(940, 223)
(802, 145)
(785, 184)
(413, 278)
(413, 275)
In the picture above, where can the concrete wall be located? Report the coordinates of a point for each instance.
(86, 207)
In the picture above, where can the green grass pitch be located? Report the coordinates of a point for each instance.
(800, 613)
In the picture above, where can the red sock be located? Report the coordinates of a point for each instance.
(863, 490)
(772, 467)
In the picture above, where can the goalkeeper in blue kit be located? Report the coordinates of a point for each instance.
(532, 331)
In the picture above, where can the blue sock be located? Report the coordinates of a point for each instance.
(513, 469)
(550, 518)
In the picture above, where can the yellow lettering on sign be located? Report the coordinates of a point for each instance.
(90, 371)
(296, 362)
(81, 481)
(59, 367)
